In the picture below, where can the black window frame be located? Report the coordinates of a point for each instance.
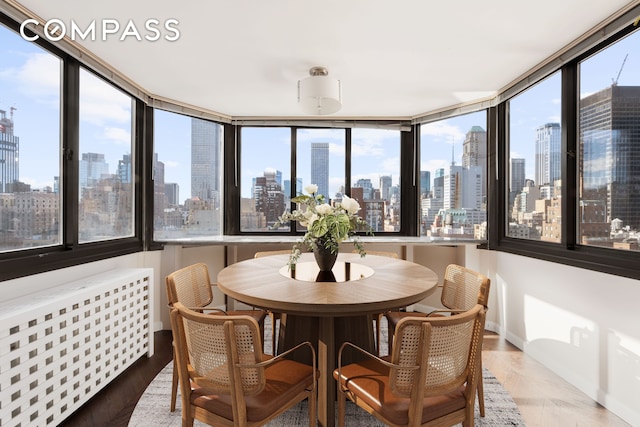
(409, 186)
(26, 262)
(569, 251)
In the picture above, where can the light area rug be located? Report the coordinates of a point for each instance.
(152, 410)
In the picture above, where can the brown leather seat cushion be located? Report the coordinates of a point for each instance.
(395, 316)
(371, 381)
(292, 378)
(258, 315)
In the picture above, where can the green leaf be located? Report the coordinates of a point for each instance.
(301, 199)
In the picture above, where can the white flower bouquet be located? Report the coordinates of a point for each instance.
(327, 225)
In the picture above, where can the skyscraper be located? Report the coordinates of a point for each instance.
(92, 168)
(320, 167)
(385, 186)
(610, 159)
(206, 152)
(517, 182)
(269, 197)
(425, 183)
(125, 169)
(548, 146)
(474, 153)
(367, 188)
(9, 151)
(462, 187)
(517, 174)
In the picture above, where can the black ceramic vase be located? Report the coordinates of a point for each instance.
(324, 258)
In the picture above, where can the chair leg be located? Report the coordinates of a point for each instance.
(378, 333)
(174, 385)
(341, 406)
(274, 336)
(390, 331)
(313, 407)
(480, 390)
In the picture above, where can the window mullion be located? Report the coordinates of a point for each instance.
(569, 137)
(70, 152)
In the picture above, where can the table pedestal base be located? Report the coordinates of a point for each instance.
(329, 333)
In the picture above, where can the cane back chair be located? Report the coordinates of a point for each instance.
(462, 288)
(192, 287)
(429, 379)
(227, 380)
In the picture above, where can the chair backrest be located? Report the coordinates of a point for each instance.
(463, 288)
(269, 253)
(190, 285)
(444, 349)
(210, 347)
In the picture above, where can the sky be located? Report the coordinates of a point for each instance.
(29, 82)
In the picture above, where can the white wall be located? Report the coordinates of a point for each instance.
(581, 324)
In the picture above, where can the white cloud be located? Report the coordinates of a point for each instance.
(40, 75)
(336, 149)
(117, 135)
(371, 142)
(369, 148)
(443, 132)
(390, 166)
(434, 164)
(100, 103)
(37, 78)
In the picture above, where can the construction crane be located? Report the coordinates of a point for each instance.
(615, 82)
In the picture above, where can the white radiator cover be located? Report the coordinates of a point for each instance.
(59, 347)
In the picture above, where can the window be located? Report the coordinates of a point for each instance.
(535, 166)
(187, 176)
(453, 177)
(106, 172)
(375, 177)
(322, 156)
(30, 145)
(609, 147)
(266, 177)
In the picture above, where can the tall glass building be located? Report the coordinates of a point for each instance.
(206, 149)
(610, 158)
(320, 167)
(548, 147)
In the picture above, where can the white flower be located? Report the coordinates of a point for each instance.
(324, 209)
(310, 218)
(311, 189)
(350, 205)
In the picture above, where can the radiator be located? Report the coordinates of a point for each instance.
(59, 347)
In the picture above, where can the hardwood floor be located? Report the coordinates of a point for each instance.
(544, 399)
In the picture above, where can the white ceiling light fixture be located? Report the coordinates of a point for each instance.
(319, 93)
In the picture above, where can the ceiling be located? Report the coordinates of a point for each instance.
(400, 59)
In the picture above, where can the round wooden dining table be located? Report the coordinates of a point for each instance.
(329, 308)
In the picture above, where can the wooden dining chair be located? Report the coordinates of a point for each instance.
(192, 287)
(275, 317)
(430, 378)
(462, 288)
(227, 380)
